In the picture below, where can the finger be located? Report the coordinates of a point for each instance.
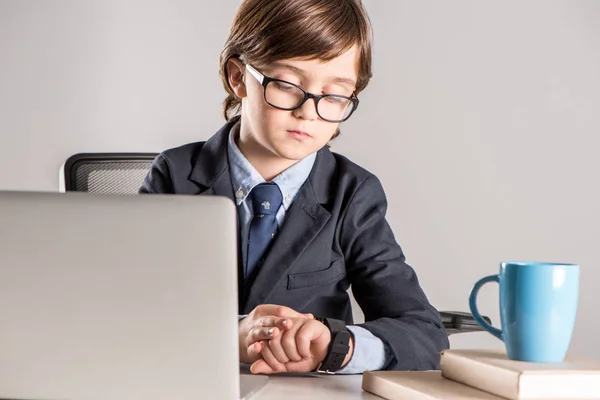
(288, 342)
(286, 312)
(270, 359)
(254, 350)
(258, 334)
(261, 367)
(277, 349)
(313, 340)
(301, 366)
(272, 321)
(312, 355)
(274, 309)
(278, 311)
(309, 316)
(304, 338)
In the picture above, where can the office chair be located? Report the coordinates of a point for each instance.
(123, 173)
(108, 173)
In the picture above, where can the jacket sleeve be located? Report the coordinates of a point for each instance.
(387, 289)
(158, 179)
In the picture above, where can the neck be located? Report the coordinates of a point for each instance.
(267, 164)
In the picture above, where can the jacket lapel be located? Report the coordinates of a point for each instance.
(210, 168)
(303, 222)
(210, 171)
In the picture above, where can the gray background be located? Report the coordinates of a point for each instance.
(481, 120)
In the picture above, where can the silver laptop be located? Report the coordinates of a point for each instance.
(118, 297)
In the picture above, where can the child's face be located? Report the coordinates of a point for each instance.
(293, 135)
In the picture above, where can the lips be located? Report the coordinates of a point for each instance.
(299, 133)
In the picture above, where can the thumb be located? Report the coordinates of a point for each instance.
(261, 367)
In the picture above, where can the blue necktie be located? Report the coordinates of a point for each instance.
(266, 200)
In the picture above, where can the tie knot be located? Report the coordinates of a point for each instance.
(266, 198)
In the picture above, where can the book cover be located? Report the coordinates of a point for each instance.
(492, 371)
(419, 385)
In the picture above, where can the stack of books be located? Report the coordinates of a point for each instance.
(489, 375)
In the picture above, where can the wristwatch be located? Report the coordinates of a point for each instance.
(339, 346)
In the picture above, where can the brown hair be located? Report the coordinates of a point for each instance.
(265, 31)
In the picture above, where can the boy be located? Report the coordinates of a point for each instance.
(312, 223)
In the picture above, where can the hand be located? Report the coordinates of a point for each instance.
(264, 323)
(300, 348)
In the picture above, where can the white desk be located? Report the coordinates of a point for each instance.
(314, 387)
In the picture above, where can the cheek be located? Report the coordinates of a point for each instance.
(254, 102)
(266, 121)
(272, 119)
(327, 132)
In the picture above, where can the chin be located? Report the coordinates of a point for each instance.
(296, 154)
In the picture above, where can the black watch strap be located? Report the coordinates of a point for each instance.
(339, 346)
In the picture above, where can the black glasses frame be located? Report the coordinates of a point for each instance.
(265, 80)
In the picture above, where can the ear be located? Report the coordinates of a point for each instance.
(235, 75)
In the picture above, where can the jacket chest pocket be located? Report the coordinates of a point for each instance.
(334, 272)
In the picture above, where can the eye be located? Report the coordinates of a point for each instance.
(336, 99)
(337, 90)
(285, 87)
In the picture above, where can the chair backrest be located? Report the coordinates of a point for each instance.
(108, 173)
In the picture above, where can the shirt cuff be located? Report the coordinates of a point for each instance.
(369, 354)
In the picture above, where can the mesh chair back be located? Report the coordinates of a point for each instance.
(107, 173)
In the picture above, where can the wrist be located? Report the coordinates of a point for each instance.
(350, 351)
(339, 350)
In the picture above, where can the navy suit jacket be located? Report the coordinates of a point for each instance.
(335, 235)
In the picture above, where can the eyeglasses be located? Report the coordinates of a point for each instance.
(287, 96)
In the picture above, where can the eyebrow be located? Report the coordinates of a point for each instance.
(300, 71)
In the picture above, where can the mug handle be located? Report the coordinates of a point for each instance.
(473, 305)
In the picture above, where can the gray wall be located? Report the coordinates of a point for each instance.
(481, 120)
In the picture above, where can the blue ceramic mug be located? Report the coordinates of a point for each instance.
(538, 303)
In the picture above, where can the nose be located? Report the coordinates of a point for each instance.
(308, 110)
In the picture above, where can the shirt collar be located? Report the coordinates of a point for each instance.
(244, 177)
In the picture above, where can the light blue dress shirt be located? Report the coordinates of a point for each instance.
(369, 351)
